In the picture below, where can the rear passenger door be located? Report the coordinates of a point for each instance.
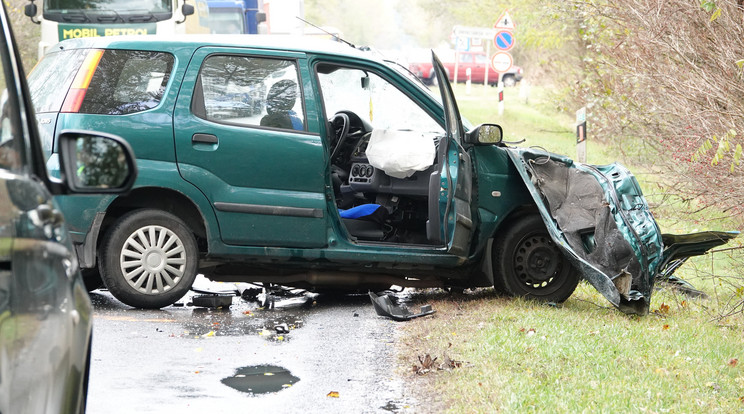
(244, 139)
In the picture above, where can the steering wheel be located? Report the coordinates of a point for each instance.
(340, 124)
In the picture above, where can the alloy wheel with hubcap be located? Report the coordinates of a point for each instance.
(153, 260)
(149, 259)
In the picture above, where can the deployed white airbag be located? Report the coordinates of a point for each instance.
(400, 153)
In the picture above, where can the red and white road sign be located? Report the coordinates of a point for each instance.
(502, 62)
(504, 22)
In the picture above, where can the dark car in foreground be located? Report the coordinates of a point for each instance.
(349, 174)
(45, 312)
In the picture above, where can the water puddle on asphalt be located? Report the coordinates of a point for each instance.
(260, 379)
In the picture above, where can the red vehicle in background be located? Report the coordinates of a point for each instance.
(477, 62)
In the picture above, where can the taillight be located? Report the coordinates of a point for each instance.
(75, 96)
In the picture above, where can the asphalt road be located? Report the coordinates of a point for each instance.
(322, 354)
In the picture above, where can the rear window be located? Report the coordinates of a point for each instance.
(52, 77)
(127, 81)
(124, 81)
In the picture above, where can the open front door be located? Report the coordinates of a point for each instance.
(450, 187)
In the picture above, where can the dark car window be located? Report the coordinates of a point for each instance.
(251, 91)
(127, 81)
(124, 81)
(49, 81)
(10, 141)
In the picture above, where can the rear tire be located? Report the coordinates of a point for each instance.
(149, 259)
(527, 263)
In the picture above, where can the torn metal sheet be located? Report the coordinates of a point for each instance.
(599, 218)
(385, 307)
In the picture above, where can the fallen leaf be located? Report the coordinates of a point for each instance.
(664, 308)
(333, 394)
(427, 361)
(247, 313)
(286, 385)
(268, 374)
(210, 333)
(665, 327)
(279, 338)
(683, 304)
(733, 362)
(196, 372)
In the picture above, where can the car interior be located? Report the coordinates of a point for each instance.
(381, 180)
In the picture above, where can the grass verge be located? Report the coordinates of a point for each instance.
(519, 356)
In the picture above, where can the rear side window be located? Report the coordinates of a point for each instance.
(49, 81)
(250, 91)
(127, 81)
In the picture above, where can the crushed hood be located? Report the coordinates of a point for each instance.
(599, 218)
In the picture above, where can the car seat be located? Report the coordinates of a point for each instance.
(279, 103)
(365, 222)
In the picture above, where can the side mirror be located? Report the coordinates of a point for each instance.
(488, 134)
(187, 9)
(260, 17)
(93, 162)
(30, 10)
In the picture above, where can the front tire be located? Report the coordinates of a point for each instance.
(509, 81)
(149, 259)
(529, 264)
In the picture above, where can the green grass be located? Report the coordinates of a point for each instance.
(584, 355)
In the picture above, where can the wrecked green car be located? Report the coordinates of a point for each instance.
(314, 164)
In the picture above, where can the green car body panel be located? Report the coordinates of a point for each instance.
(262, 204)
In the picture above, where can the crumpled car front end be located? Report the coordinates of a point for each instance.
(598, 216)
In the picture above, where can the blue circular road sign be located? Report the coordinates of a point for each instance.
(504, 40)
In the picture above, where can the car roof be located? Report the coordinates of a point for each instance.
(301, 44)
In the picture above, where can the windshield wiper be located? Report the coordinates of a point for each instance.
(75, 17)
(143, 16)
(111, 17)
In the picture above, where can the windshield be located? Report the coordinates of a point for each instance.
(373, 99)
(121, 10)
(416, 81)
(226, 20)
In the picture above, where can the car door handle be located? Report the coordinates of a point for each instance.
(204, 139)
